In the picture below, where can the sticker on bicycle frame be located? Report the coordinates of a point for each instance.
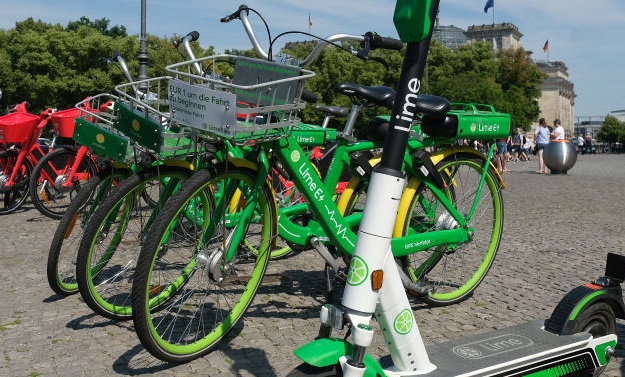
(358, 271)
(403, 322)
(295, 156)
(203, 108)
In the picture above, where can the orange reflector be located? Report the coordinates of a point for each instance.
(44, 196)
(70, 227)
(376, 279)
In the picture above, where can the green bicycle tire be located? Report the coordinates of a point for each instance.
(112, 238)
(61, 264)
(185, 297)
(453, 272)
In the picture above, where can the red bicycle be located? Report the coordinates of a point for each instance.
(58, 177)
(19, 152)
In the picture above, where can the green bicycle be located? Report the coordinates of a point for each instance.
(203, 279)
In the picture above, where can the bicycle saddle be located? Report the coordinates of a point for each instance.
(336, 111)
(380, 95)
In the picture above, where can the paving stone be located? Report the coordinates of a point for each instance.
(558, 230)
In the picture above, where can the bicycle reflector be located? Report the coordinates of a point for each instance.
(376, 279)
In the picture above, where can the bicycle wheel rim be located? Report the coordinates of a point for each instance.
(12, 198)
(66, 240)
(453, 273)
(113, 249)
(165, 301)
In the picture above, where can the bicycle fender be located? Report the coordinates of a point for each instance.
(439, 155)
(179, 163)
(579, 299)
(327, 351)
(243, 163)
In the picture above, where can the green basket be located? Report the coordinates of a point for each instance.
(468, 121)
(142, 114)
(479, 121)
(313, 135)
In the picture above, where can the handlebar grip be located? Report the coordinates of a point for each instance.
(388, 43)
(309, 96)
(234, 15)
(194, 35)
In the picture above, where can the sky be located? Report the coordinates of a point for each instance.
(586, 35)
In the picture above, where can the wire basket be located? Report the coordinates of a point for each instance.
(17, 127)
(93, 128)
(143, 115)
(260, 103)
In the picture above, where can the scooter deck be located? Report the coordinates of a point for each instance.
(507, 352)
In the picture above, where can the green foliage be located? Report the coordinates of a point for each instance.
(612, 131)
(101, 25)
(55, 66)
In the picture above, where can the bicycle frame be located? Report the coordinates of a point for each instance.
(328, 225)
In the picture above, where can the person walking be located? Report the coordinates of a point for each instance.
(541, 137)
(516, 141)
(501, 159)
(580, 144)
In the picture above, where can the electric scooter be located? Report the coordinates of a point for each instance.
(577, 340)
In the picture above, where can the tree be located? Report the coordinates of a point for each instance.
(612, 131)
(101, 25)
(52, 66)
(520, 81)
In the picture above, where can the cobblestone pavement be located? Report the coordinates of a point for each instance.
(558, 229)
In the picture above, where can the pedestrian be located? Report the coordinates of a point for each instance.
(501, 159)
(541, 137)
(525, 149)
(558, 131)
(580, 143)
(517, 141)
(588, 144)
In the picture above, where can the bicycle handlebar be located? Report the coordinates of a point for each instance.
(369, 40)
(186, 43)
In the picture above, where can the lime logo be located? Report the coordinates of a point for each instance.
(358, 271)
(468, 352)
(403, 322)
(99, 138)
(135, 125)
(473, 127)
(295, 156)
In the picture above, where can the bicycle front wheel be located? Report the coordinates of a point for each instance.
(50, 191)
(113, 236)
(189, 292)
(61, 266)
(12, 197)
(449, 274)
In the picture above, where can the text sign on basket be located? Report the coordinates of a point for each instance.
(203, 108)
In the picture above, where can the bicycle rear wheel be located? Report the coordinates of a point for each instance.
(14, 196)
(449, 274)
(113, 236)
(188, 294)
(48, 190)
(61, 265)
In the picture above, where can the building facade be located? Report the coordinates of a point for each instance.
(557, 100)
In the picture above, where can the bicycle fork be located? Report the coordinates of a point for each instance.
(375, 285)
